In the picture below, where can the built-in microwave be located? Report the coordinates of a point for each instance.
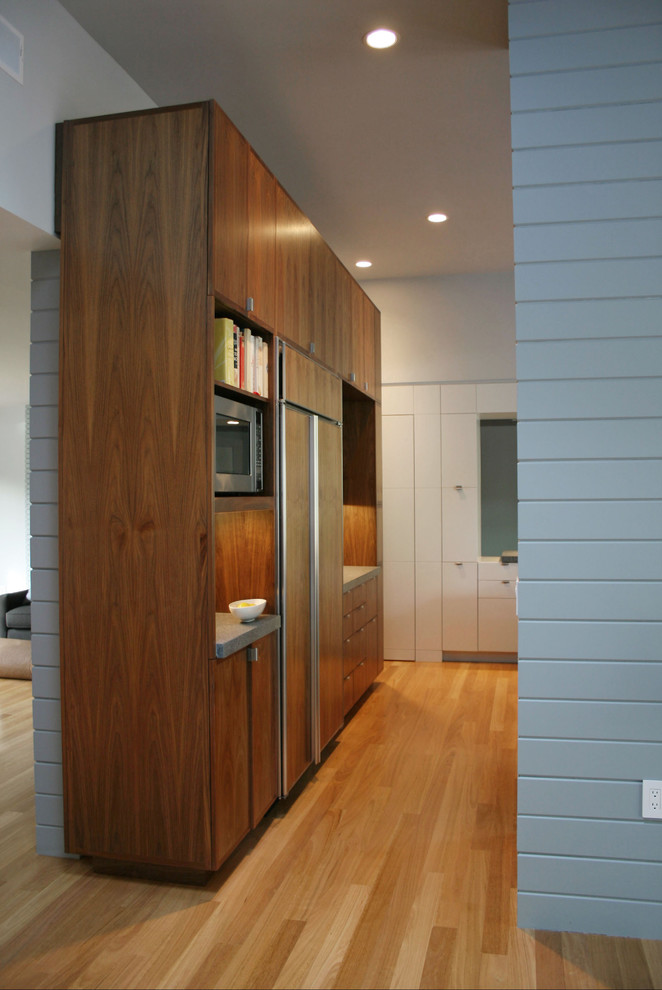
(238, 447)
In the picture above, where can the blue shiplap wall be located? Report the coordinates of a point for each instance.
(586, 96)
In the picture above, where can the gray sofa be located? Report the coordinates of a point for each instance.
(15, 619)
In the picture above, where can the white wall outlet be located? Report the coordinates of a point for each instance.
(651, 799)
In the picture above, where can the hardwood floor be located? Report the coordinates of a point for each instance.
(394, 866)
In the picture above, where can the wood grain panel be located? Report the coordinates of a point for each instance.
(359, 483)
(298, 635)
(326, 332)
(308, 385)
(330, 514)
(135, 477)
(261, 248)
(353, 352)
(264, 720)
(230, 754)
(245, 557)
(230, 223)
(293, 248)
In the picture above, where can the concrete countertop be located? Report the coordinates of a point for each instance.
(352, 577)
(233, 635)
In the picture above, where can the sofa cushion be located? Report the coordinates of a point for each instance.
(16, 658)
(18, 618)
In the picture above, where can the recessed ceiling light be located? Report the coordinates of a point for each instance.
(437, 217)
(364, 264)
(381, 38)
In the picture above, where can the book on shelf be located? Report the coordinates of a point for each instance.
(241, 357)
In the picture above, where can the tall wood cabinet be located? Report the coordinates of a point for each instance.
(168, 219)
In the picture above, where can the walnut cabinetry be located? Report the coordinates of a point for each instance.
(244, 749)
(169, 219)
(360, 640)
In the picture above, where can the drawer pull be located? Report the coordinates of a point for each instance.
(459, 488)
(458, 563)
(505, 582)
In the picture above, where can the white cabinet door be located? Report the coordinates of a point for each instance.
(460, 613)
(497, 625)
(459, 524)
(459, 450)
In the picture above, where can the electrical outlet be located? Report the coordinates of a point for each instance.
(651, 799)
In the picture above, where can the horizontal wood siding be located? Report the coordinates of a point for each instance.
(586, 85)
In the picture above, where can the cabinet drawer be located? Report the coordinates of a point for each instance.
(348, 692)
(359, 595)
(359, 616)
(496, 589)
(347, 625)
(493, 570)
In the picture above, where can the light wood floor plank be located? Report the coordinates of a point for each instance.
(393, 865)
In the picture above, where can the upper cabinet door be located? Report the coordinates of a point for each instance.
(229, 266)
(244, 224)
(261, 260)
(294, 233)
(326, 346)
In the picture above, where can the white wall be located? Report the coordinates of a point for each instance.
(586, 94)
(456, 328)
(65, 74)
(14, 366)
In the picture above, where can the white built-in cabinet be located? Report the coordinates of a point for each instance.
(441, 597)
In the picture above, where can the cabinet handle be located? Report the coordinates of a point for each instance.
(459, 488)
(251, 654)
(458, 563)
(365, 386)
(312, 346)
(250, 304)
(505, 582)
(352, 376)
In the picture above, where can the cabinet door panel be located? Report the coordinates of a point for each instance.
(459, 450)
(261, 250)
(497, 625)
(330, 567)
(230, 211)
(459, 523)
(460, 611)
(293, 247)
(230, 781)
(298, 633)
(264, 727)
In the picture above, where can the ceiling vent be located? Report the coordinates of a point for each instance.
(11, 50)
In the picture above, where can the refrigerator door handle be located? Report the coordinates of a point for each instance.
(314, 592)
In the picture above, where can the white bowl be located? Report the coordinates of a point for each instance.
(247, 609)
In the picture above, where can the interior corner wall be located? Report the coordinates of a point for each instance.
(66, 74)
(452, 328)
(586, 100)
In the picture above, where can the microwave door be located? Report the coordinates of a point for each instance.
(233, 454)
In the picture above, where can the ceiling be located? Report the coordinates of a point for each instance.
(367, 142)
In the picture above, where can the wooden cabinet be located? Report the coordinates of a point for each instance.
(244, 743)
(243, 224)
(360, 342)
(169, 219)
(294, 234)
(360, 646)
